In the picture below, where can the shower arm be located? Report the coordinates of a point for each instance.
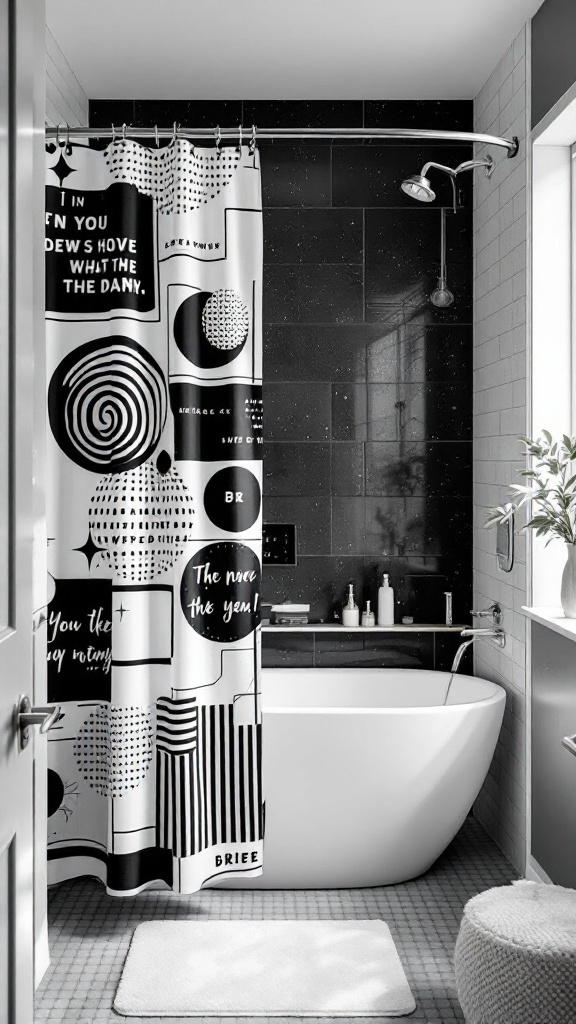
(466, 165)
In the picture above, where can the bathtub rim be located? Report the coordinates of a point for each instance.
(495, 695)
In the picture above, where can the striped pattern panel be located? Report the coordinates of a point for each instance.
(177, 725)
(212, 795)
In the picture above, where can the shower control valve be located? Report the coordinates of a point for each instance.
(494, 612)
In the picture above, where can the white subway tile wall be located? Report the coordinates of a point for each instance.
(500, 274)
(66, 101)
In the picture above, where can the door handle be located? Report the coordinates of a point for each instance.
(569, 742)
(27, 717)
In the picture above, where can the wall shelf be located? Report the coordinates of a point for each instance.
(336, 627)
(553, 618)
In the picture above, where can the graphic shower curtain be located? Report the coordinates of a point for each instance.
(154, 277)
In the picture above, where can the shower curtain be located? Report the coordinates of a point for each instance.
(154, 469)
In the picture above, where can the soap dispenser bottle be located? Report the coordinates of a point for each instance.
(385, 603)
(350, 611)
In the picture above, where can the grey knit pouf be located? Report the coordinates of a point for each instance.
(515, 957)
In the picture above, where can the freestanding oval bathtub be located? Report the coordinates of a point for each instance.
(368, 773)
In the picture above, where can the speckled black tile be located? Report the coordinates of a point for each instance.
(403, 239)
(356, 650)
(445, 115)
(372, 175)
(313, 236)
(287, 650)
(303, 114)
(189, 113)
(407, 412)
(104, 113)
(311, 516)
(420, 353)
(388, 526)
(416, 650)
(301, 468)
(308, 352)
(297, 412)
(319, 581)
(419, 468)
(296, 175)
(316, 293)
(350, 412)
(403, 264)
(347, 468)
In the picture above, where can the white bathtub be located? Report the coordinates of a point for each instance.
(368, 773)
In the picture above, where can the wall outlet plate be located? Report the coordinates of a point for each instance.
(278, 544)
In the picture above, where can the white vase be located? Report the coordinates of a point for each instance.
(568, 588)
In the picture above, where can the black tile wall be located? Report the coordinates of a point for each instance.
(367, 396)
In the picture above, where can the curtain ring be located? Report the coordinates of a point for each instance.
(253, 140)
(58, 143)
(68, 147)
(218, 135)
(113, 135)
(124, 132)
(240, 137)
(175, 129)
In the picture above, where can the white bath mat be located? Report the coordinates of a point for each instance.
(263, 969)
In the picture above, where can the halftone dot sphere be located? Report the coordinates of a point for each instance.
(225, 319)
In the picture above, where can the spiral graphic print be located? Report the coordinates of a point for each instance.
(107, 404)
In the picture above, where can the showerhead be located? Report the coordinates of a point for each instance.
(418, 187)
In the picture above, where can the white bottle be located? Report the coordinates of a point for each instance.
(385, 603)
(368, 616)
(350, 611)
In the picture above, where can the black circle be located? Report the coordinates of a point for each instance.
(163, 462)
(232, 499)
(55, 792)
(107, 404)
(191, 340)
(220, 591)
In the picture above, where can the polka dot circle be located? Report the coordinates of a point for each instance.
(225, 319)
(142, 519)
(113, 749)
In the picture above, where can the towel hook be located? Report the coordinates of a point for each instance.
(253, 140)
(218, 135)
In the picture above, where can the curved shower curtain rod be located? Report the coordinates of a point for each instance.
(254, 133)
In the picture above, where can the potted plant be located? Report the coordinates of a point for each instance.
(552, 493)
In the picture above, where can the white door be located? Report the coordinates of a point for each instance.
(20, 235)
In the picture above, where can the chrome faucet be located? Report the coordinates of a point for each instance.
(494, 633)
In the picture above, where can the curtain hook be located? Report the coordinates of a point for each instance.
(218, 135)
(240, 137)
(175, 129)
(156, 135)
(124, 132)
(253, 140)
(68, 148)
(113, 135)
(58, 135)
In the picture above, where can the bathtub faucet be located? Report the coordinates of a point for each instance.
(494, 633)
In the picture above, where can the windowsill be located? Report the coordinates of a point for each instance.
(554, 619)
(337, 627)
